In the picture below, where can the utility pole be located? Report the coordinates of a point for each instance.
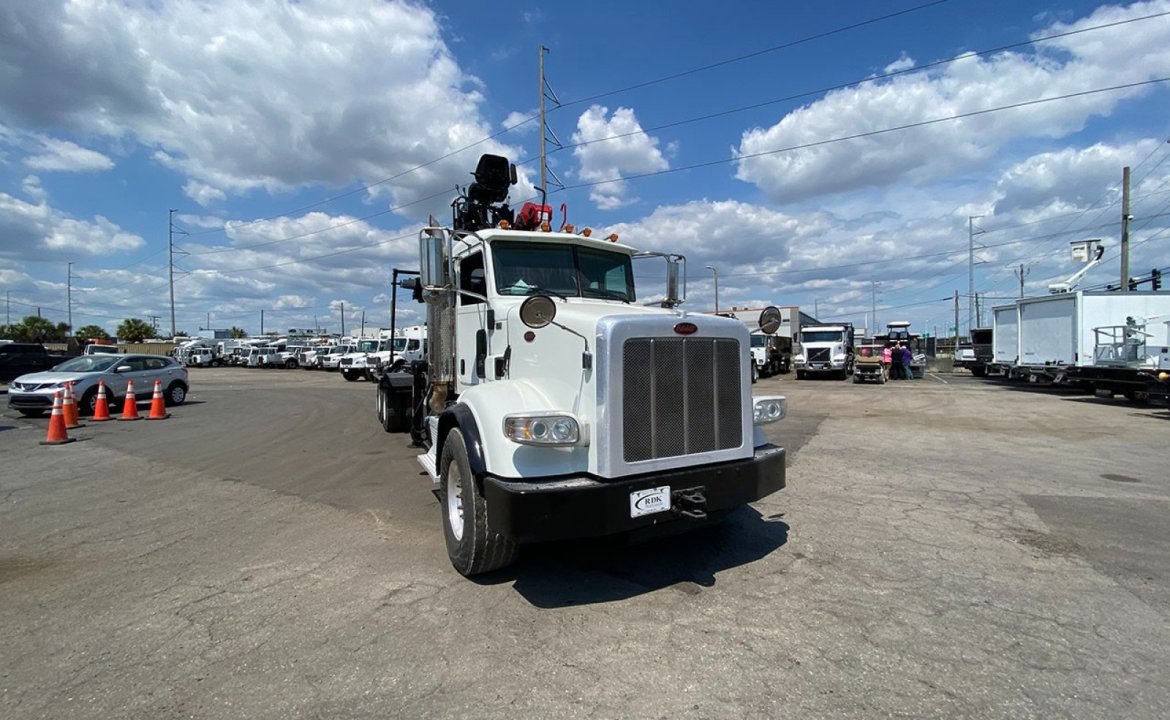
(342, 319)
(546, 92)
(971, 233)
(171, 263)
(1021, 274)
(171, 232)
(1125, 229)
(69, 296)
(261, 322)
(873, 301)
(956, 321)
(715, 272)
(363, 323)
(208, 321)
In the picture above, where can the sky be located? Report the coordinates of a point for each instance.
(843, 156)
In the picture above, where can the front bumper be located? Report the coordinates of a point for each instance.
(30, 401)
(584, 507)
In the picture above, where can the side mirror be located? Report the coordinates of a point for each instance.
(770, 319)
(123, 368)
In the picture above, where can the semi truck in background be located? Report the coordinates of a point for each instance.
(825, 350)
(551, 406)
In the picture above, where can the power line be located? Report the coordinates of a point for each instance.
(647, 83)
(854, 83)
(870, 133)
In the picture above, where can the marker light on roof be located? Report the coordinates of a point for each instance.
(504, 225)
(613, 237)
(545, 226)
(587, 232)
(569, 228)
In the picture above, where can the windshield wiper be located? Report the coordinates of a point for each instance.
(533, 289)
(610, 294)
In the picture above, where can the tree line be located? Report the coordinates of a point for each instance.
(35, 328)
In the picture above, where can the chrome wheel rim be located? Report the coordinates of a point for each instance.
(455, 500)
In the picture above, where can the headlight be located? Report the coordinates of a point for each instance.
(542, 429)
(840, 357)
(799, 359)
(769, 409)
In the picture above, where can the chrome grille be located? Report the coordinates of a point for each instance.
(682, 396)
(819, 354)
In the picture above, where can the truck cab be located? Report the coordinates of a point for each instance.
(553, 406)
(825, 350)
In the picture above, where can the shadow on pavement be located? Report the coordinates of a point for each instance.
(583, 573)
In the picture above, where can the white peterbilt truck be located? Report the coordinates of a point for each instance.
(551, 406)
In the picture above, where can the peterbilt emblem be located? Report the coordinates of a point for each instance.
(686, 328)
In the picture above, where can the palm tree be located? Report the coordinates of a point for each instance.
(135, 330)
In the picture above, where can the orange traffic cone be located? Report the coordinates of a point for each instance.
(57, 433)
(158, 408)
(101, 410)
(69, 408)
(130, 408)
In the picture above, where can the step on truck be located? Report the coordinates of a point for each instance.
(551, 405)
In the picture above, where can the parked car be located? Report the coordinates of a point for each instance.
(32, 395)
(17, 359)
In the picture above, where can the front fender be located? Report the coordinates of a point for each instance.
(487, 404)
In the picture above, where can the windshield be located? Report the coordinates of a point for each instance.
(821, 336)
(759, 340)
(89, 363)
(524, 268)
(367, 346)
(399, 344)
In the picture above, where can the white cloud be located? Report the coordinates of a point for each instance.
(251, 96)
(203, 193)
(34, 231)
(629, 151)
(64, 156)
(1070, 65)
(31, 186)
(522, 122)
(200, 221)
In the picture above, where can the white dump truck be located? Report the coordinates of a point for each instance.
(825, 350)
(552, 406)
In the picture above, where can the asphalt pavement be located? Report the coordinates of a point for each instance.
(947, 547)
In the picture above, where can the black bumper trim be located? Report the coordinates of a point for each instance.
(584, 507)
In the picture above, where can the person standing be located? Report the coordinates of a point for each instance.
(907, 361)
(887, 353)
(896, 371)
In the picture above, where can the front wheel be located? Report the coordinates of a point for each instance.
(176, 394)
(471, 545)
(291, 363)
(800, 374)
(349, 375)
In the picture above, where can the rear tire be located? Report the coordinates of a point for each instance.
(472, 547)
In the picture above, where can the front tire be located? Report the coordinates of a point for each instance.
(176, 394)
(291, 363)
(471, 545)
(348, 375)
(88, 402)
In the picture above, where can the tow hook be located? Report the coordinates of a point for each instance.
(690, 502)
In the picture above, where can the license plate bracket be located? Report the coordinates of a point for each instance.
(649, 501)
